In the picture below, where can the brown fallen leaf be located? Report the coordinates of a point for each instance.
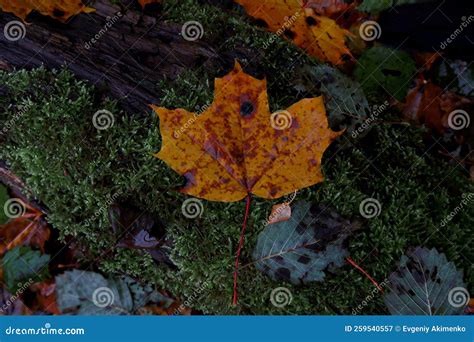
(45, 299)
(280, 212)
(24, 230)
(426, 60)
(429, 104)
(143, 3)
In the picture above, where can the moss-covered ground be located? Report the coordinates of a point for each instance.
(74, 169)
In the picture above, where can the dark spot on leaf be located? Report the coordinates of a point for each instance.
(283, 274)
(289, 34)
(311, 21)
(246, 109)
(279, 259)
(345, 57)
(304, 259)
(301, 229)
(190, 178)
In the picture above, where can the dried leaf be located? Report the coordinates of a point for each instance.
(135, 228)
(45, 299)
(429, 104)
(280, 212)
(301, 249)
(424, 284)
(238, 147)
(138, 230)
(320, 36)
(143, 3)
(32, 231)
(58, 9)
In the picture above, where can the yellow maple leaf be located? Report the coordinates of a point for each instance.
(237, 147)
(318, 35)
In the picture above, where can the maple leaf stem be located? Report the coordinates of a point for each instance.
(239, 249)
(353, 263)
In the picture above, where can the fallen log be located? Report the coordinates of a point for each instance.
(119, 49)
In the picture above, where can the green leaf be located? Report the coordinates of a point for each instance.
(3, 198)
(23, 265)
(344, 99)
(375, 6)
(385, 70)
(301, 249)
(89, 293)
(426, 284)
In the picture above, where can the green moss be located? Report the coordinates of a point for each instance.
(75, 169)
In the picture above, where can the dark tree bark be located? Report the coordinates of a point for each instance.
(119, 48)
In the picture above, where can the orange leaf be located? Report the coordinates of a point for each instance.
(320, 36)
(46, 297)
(58, 9)
(143, 3)
(280, 212)
(238, 147)
(23, 231)
(429, 104)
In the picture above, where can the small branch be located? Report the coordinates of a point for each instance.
(241, 244)
(353, 263)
